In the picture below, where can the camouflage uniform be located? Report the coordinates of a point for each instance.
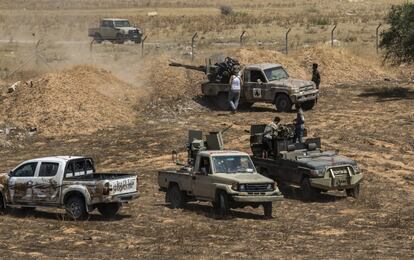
(316, 77)
(299, 126)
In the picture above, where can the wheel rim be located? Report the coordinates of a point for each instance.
(75, 209)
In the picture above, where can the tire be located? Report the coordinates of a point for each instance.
(308, 105)
(308, 192)
(109, 210)
(176, 197)
(283, 103)
(267, 209)
(354, 192)
(75, 208)
(223, 204)
(97, 38)
(221, 101)
(120, 39)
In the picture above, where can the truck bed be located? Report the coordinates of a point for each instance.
(101, 176)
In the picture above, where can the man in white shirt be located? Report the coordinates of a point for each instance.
(235, 87)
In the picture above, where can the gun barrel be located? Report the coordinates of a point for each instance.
(190, 67)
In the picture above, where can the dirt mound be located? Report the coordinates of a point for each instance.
(82, 99)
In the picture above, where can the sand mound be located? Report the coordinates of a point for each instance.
(81, 100)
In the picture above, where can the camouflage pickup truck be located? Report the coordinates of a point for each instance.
(304, 165)
(68, 182)
(116, 31)
(228, 179)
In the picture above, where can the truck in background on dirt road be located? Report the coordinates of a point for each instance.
(68, 182)
(116, 31)
(304, 164)
(227, 179)
(266, 82)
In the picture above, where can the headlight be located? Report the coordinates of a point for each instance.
(270, 186)
(356, 169)
(234, 186)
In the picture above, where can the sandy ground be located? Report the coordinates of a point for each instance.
(370, 123)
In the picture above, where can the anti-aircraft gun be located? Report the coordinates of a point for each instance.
(220, 72)
(304, 164)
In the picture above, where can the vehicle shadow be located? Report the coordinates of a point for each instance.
(205, 102)
(22, 213)
(294, 193)
(386, 93)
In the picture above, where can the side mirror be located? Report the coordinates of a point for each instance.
(10, 173)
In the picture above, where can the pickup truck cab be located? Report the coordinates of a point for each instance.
(115, 30)
(69, 182)
(228, 179)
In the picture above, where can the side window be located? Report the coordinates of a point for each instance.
(105, 24)
(69, 172)
(204, 166)
(48, 169)
(79, 167)
(255, 75)
(26, 170)
(89, 167)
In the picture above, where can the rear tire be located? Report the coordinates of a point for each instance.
(354, 192)
(109, 210)
(267, 209)
(175, 197)
(283, 103)
(308, 105)
(308, 192)
(75, 208)
(98, 38)
(120, 39)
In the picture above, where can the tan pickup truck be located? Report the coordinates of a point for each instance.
(227, 179)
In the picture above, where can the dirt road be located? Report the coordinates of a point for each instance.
(372, 124)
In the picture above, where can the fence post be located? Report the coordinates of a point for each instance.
(377, 36)
(192, 45)
(332, 35)
(286, 41)
(142, 45)
(241, 38)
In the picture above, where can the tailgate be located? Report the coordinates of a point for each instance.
(123, 185)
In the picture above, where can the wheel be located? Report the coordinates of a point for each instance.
(120, 38)
(176, 197)
(221, 101)
(267, 209)
(308, 105)
(223, 207)
(354, 192)
(308, 192)
(109, 210)
(246, 105)
(97, 38)
(75, 208)
(283, 103)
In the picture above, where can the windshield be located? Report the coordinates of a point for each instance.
(276, 73)
(122, 23)
(232, 164)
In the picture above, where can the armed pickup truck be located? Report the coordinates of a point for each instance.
(68, 182)
(116, 31)
(304, 165)
(227, 179)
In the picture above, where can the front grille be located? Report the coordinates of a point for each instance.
(341, 171)
(133, 32)
(305, 88)
(256, 187)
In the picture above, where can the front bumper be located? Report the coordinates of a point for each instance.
(257, 198)
(329, 183)
(305, 96)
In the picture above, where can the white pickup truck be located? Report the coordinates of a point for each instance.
(69, 182)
